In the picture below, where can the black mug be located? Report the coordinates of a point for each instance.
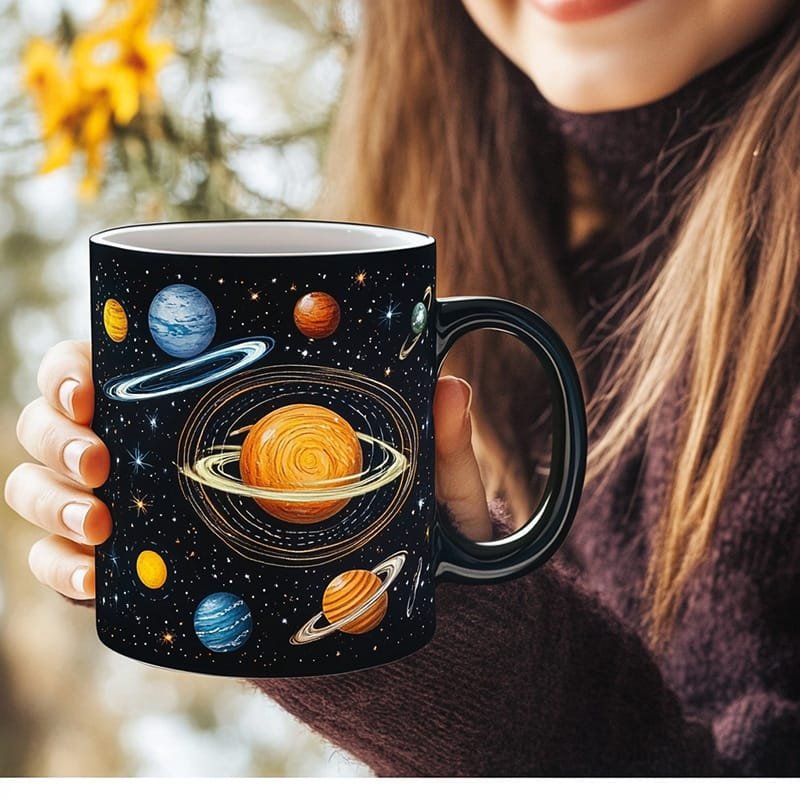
(265, 389)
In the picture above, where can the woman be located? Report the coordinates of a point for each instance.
(629, 168)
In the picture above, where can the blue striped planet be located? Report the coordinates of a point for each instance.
(223, 622)
(182, 320)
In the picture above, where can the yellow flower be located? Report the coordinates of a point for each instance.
(110, 69)
(56, 97)
(59, 151)
(90, 182)
(106, 79)
(94, 133)
(121, 60)
(139, 11)
(42, 69)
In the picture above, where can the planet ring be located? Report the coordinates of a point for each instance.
(405, 350)
(210, 471)
(218, 363)
(391, 566)
(413, 596)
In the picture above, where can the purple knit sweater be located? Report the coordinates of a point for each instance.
(549, 674)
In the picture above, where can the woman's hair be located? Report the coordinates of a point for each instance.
(438, 131)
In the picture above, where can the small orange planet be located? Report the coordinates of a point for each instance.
(348, 592)
(151, 569)
(301, 446)
(115, 320)
(317, 315)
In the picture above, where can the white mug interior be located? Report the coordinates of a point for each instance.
(272, 237)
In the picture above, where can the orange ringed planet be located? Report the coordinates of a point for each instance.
(347, 593)
(298, 446)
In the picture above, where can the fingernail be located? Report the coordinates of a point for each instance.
(467, 389)
(66, 394)
(78, 577)
(73, 453)
(73, 516)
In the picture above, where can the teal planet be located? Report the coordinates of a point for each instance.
(419, 318)
(223, 622)
(182, 320)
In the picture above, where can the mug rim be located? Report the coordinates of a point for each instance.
(413, 239)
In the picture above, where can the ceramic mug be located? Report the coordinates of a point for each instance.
(265, 389)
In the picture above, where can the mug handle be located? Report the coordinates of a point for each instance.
(456, 558)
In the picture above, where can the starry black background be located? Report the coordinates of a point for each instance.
(254, 296)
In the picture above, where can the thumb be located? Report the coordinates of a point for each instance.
(458, 481)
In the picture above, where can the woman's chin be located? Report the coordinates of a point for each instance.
(636, 53)
(593, 91)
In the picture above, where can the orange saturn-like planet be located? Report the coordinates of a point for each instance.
(302, 447)
(317, 315)
(348, 592)
(115, 320)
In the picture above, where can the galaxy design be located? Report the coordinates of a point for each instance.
(270, 428)
(193, 373)
(385, 425)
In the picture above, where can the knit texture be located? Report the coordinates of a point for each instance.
(548, 674)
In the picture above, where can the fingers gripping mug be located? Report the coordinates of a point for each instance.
(265, 389)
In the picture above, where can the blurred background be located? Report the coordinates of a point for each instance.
(119, 111)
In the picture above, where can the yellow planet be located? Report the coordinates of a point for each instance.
(151, 569)
(115, 320)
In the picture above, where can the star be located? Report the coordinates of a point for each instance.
(112, 556)
(388, 314)
(168, 637)
(140, 504)
(361, 278)
(138, 461)
(153, 421)
(387, 372)
(255, 295)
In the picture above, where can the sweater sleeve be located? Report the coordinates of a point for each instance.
(528, 677)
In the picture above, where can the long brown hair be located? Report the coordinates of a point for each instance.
(436, 131)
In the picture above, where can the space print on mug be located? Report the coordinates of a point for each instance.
(182, 322)
(292, 465)
(273, 465)
(304, 463)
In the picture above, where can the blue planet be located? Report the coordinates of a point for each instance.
(223, 622)
(182, 320)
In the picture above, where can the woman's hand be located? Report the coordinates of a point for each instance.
(458, 480)
(56, 496)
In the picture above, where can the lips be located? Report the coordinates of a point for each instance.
(579, 10)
